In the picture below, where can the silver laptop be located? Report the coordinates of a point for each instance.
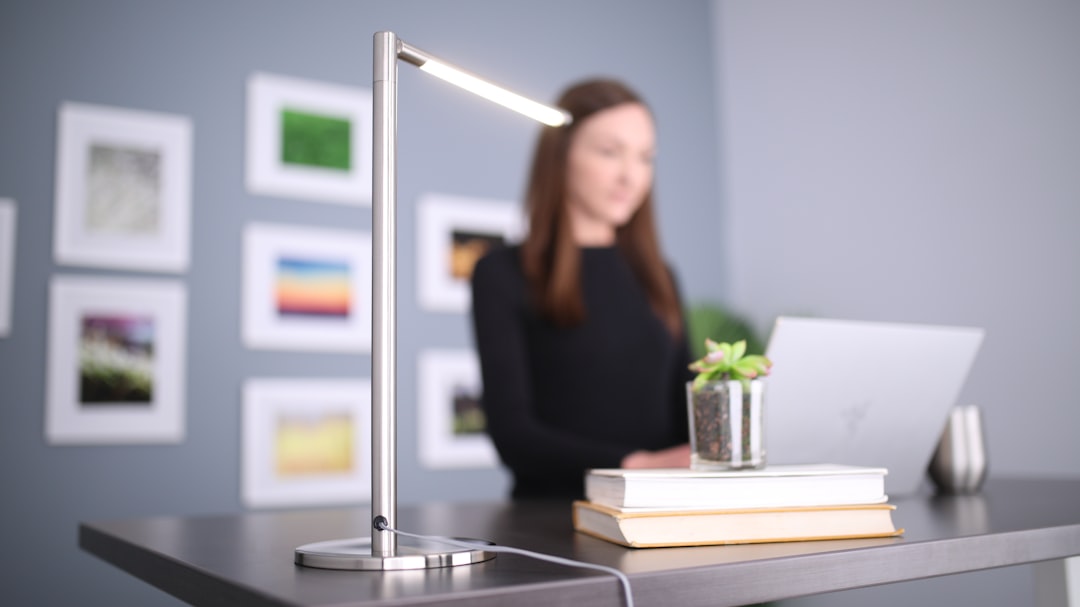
(864, 393)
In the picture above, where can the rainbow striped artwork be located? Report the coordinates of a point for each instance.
(313, 288)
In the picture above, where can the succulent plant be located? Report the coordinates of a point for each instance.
(725, 361)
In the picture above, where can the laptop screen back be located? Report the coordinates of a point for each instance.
(864, 393)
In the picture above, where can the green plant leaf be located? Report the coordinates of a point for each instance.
(724, 361)
(760, 363)
(738, 349)
(726, 349)
(743, 369)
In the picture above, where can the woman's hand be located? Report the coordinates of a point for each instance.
(672, 457)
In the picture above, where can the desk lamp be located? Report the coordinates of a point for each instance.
(381, 551)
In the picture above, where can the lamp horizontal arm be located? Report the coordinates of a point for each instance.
(480, 86)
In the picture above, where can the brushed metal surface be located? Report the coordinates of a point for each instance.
(357, 554)
(384, 290)
(959, 464)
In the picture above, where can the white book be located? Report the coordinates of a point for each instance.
(779, 486)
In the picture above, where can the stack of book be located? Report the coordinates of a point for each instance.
(782, 503)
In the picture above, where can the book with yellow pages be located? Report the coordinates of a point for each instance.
(657, 528)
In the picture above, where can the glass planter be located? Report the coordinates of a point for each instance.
(726, 425)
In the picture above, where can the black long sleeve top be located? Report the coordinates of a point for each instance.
(561, 400)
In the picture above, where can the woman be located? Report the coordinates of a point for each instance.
(580, 333)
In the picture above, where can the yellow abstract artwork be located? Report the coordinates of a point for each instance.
(315, 445)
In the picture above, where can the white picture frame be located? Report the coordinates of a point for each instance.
(8, 229)
(306, 289)
(449, 388)
(334, 124)
(452, 233)
(306, 442)
(116, 361)
(123, 189)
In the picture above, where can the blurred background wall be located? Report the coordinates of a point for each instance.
(193, 59)
(915, 162)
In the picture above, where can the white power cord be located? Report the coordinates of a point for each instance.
(382, 525)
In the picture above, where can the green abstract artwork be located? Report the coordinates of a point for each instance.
(315, 140)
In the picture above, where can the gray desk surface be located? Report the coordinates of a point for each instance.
(247, 559)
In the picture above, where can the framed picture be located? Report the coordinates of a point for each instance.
(452, 234)
(451, 422)
(306, 442)
(306, 289)
(116, 361)
(7, 263)
(123, 189)
(308, 140)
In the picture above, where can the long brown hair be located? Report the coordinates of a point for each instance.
(550, 258)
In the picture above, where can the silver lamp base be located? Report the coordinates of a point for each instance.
(355, 554)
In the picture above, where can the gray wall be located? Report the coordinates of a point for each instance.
(192, 58)
(917, 162)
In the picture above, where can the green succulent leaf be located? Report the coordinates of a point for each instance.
(757, 362)
(724, 361)
(738, 349)
(727, 350)
(740, 370)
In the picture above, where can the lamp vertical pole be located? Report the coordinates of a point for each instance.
(384, 305)
(382, 551)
